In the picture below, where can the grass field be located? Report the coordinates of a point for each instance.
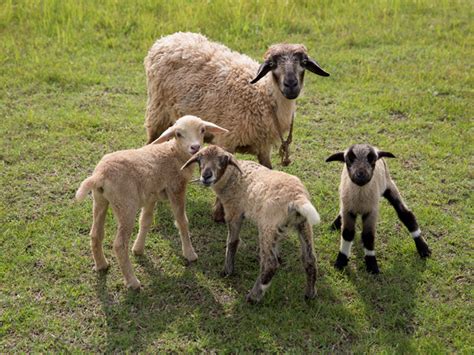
(73, 89)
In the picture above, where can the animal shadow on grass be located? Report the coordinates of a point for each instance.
(390, 297)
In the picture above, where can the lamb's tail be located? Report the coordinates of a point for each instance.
(86, 186)
(306, 209)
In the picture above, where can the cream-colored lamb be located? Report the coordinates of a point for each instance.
(138, 178)
(273, 200)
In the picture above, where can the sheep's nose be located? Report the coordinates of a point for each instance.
(291, 84)
(360, 174)
(206, 174)
(195, 148)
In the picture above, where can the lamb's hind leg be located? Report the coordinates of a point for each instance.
(232, 243)
(268, 265)
(100, 206)
(408, 219)
(369, 222)
(146, 219)
(126, 221)
(305, 232)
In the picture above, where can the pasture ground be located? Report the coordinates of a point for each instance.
(73, 89)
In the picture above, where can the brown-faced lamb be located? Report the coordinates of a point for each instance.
(365, 178)
(188, 74)
(138, 178)
(273, 200)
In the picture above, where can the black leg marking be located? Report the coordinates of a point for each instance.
(404, 214)
(336, 224)
(371, 264)
(347, 236)
(341, 261)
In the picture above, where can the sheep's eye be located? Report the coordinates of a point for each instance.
(351, 157)
(271, 64)
(179, 135)
(203, 130)
(371, 157)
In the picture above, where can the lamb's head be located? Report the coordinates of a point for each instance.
(288, 62)
(360, 161)
(189, 133)
(213, 162)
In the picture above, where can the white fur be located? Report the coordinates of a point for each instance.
(369, 252)
(345, 247)
(416, 233)
(308, 210)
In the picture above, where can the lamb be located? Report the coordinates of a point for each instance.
(138, 178)
(365, 178)
(273, 200)
(188, 74)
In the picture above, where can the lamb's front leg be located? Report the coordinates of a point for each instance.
(347, 237)
(408, 219)
(146, 219)
(233, 226)
(369, 222)
(177, 200)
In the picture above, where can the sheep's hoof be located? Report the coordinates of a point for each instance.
(225, 273)
(252, 299)
(135, 285)
(371, 264)
(310, 295)
(101, 268)
(190, 256)
(422, 247)
(341, 261)
(138, 251)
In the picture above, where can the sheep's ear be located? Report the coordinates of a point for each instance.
(336, 157)
(314, 67)
(262, 71)
(381, 154)
(194, 159)
(233, 161)
(165, 136)
(213, 128)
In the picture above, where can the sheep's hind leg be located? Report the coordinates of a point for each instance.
(268, 266)
(347, 237)
(234, 226)
(146, 219)
(305, 232)
(100, 206)
(408, 219)
(369, 222)
(336, 224)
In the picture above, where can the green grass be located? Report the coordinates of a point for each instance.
(73, 89)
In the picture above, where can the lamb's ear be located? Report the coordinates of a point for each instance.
(213, 128)
(194, 159)
(262, 71)
(233, 161)
(165, 136)
(381, 154)
(336, 157)
(314, 67)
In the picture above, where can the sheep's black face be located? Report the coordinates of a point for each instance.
(360, 160)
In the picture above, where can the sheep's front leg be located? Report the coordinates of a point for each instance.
(347, 237)
(146, 219)
(218, 213)
(233, 226)
(369, 222)
(408, 219)
(97, 231)
(126, 221)
(264, 158)
(268, 266)
(305, 232)
(177, 200)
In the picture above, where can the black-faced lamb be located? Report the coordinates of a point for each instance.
(365, 178)
(188, 74)
(273, 200)
(138, 178)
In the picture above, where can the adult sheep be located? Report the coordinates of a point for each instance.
(189, 75)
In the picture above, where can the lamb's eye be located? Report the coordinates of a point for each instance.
(203, 130)
(179, 135)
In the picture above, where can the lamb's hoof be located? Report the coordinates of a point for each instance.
(134, 285)
(252, 299)
(341, 261)
(138, 252)
(191, 256)
(422, 247)
(101, 268)
(371, 264)
(336, 224)
(310, 295)
(225, 273)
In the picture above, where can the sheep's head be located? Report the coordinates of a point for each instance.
(189, 133)
(288, 62)
(213, 162)
(360, 161)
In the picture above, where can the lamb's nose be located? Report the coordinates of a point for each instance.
(360, 174)
(195, 147)
(291, 83)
